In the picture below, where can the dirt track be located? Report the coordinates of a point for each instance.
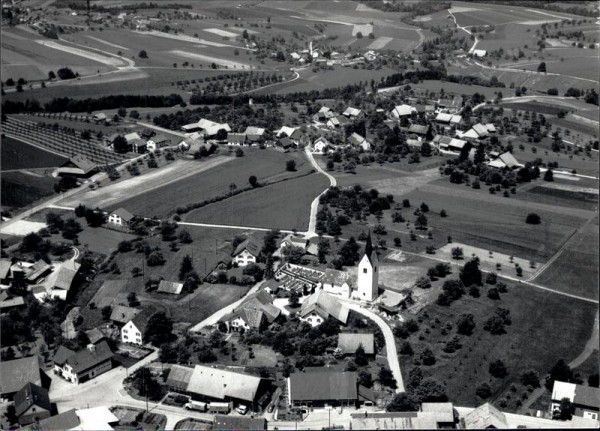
(115, 193)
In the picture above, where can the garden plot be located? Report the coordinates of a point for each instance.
(110, 61)
(489, 260)
(22, 228)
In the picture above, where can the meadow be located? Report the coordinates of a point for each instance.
(19, 155)
(533, 341)
(285, 205)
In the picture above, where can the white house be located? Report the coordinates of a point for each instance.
(321, 145)
(319, 306)
(337, 283)
(353, 112)
(585, 399)
(120, 217)
(78, 367)
(358, 141)
(133, 331)
(400, 111)
(246, 253)
(367, 284)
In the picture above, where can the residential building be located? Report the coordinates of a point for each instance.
(323, 114)
(348, 342)
(321, 145)
(64, 279)
(8, 303)
(37, 271)
(358, 141)
(400, 111)
(254, 134)
(255, 312)
(92, 419)
(418, 130)
(585, 399)
(17, 373)
(147, 133)
(158, 141)
(504, 160)
(78, 166)
(99, 117)
(236, 139)
(121, 314)
(337, 283)
(446, 143)
(284, 144)
(32, 404)
(247, 252)
(134, 331)
(451, 119)
(430, 416)
(120, 217)
(79, 367)
(353, 113)
(213, 384)
(367, 284)
(297, 240)
(320, 388)
(179, 378)
(337, 122)
(319, 306)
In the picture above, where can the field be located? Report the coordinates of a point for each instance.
(533, 341)
(189, 181)
(19, 155)
(285, 205)
(20, 189)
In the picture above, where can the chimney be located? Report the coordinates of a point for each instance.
(91, 347)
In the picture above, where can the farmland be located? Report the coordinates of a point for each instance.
(20, 189)
(19, 155)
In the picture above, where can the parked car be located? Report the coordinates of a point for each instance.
(242, 409)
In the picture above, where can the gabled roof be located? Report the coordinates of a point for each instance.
(351, 112)
(323, 386)
(236, 138)
(480, 129)
(349, 342)
(95, 335)
(123, 314)
(169, 287)
(356, 139)
(508, 159)
(250, 245)
(66, 274)
(161, 137)
(335, 277)
(418, 129)
(219, 384)
(63, 421)
(30, 395)
(147, 133)
(141, 320)
(16, 373)
(80, 162)
(578, 394)
(254, 131)
(284, 142)
(485, 416)
(228, 422)
(16, 301)
(85, 359)
(289, 131)
(99, 116)
(179, 377)
(254, 308)
(123, 213)
(5, 265)
(325, 305)
(38, 268)
(403, 110)
(130, 137)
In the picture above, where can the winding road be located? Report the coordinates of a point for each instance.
(314, 206)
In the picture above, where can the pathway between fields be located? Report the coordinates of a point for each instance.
(227, 226)
(314, 206)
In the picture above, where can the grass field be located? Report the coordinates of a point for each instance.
(533, 341)
(266, 165)
(285, 205)
(19, 155)
(20, 189)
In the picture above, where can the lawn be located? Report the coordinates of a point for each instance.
(285, 205)
(533, 341)
(266, 165)
(19, 155)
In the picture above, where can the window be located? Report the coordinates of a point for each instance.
(365, 270)
(125, 331)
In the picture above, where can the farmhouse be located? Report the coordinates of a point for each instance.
(337, 283)
(64, 280)
(479, 53)
(297, 241)
(208, 383)
(189, 128)
(121, 314)
(447, 143)
(319, 306)
(158, 141)
(95, 418)
(430, 416)
(452, 105)
(400, 111)
(349, 342)
(147, 133)
(358, 141)
(321, 145)
(284, 144)
(38, 270)
(337, 122)
(179, 378)
(451, 119)
(323, 114)
(585, 399)
(79, 367)
(254, 134)
(418, 130)
(236, 138)
(504, 160)
(32, 404)
(319, 388)
(353, 113)
(17, 373)
(256, 312)
(171, 287)
(100, 117)
(247, 252)
(478, 131)
(293, 133)
(120, 217)
(78, 166)
(134, 330)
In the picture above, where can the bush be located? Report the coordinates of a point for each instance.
(533, 218)
(498, 369)
(483, 391)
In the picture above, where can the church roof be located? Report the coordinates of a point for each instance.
(369, 252)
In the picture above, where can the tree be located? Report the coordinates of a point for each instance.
(594, 380)
(470, 274)
(349, 252)
(155, 258)
(167, 230)
(549, 175)
(65, 73)
(239, 152)
(290, 165)
(457, 253)
(542, 67)
(465, 324)
(145, 384)
(360, 357)
(252, 179)
(498, 369)
(429, 390)
(106, 312)
(143, 54)
(533, 218)
(402, 402)
(294, 300)
(293, 254)
(159, 329)
(561, 372)
(120, 145)
(365, 379)
(386, 378)
(565, 410)
(483, 391)
(359, 35)
(185, 237)
(186, 267)
(421, 222)
(51, 75)
(530, 378)
(132, 299)
(427, 357)
(80, 210)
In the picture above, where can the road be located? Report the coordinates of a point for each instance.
(390, 342)
(227, 226)
(466, 31)
(314, 206)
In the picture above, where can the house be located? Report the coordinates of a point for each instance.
(400, 111)
(79, 367)
(478, 131)
(236, 138)
(451, 119)
(17, 373)
(337, 283)
(504, 160)
(147, 133)
(349, 342)
(158, 141)
(254, 134)
(179, 378)
(451, 105)
(95, 418)
(213, 384)
(77, 166)
(255, 312)
(211, 129)
(246, 252)
(132, 137)
(32, 404)
(319, 306)
(337, 122)
(284, 144)
(319, 388)
(95, 335)
(480, 53)
(227, 422)
(353, 113)
(418, 129)
(428, 110)
(367, 284)
(121, 314)
(171, 287)
(64, 280)
(38, 270)
(446, 143)
(99, 117)
(8, 303)
(358, 141)
(189, 128)
(120, 217)
(323, 114)
(321, 145)
(297, 241)
(293, 133)
(585, 399)
(135, 330)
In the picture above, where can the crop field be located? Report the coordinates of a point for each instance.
(19, 155)
(468, 14)
(496, 223)
(581, 66)
(202, 180)
(545, 328)
(561, 197)
(285, 205)
(20, 189)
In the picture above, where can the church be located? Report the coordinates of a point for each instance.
(367, 281)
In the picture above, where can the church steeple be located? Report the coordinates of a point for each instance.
(369, 248)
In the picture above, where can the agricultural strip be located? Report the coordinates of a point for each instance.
(110, 61)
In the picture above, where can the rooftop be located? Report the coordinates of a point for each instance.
(219, 384)
(325, 385)
(18, 372)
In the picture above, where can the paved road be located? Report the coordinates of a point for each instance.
(390, 342)
(314, 206)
